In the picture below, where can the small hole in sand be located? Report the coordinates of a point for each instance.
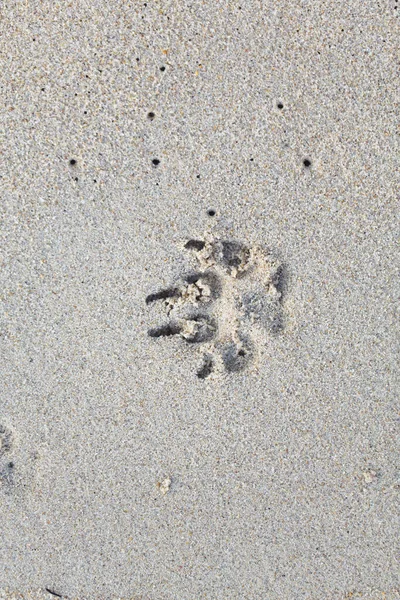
(307, 163)
(211, 213)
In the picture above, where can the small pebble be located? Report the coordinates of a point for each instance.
(369, 476)
(165, 485)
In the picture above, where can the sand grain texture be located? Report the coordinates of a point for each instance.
(127, 130)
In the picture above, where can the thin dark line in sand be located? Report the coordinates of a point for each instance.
(53, 593)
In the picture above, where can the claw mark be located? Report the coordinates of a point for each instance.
(195, 245)
(164, 331)
(162, 295)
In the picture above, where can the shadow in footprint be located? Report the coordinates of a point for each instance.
(234, 255)
(163, 295)
(280, 280)
(6, 440)
(199, 328)
(165, 330)
(264, 309)
(255, 301)
(207, 367)
(7, 474)
(236, 356)
(209, 279)
(195, 245)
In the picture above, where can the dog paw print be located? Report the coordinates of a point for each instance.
(16, 467)
(6, 463)
(225, 305)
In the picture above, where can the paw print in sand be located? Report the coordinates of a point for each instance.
(6, 451)
(226, 306)
(17, 470)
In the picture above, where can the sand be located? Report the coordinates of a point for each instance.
(198, 285)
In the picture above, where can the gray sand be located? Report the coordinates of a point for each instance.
(123, 473)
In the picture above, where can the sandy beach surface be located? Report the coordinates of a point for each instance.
(198, 337)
